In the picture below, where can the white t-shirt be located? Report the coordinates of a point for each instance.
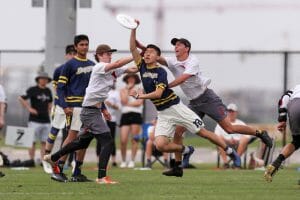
(128, 109)
(114, 98)
(100, 83)
(195, 85)
(2, 95)
(220, 132)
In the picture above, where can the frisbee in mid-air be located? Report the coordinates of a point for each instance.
(126, 21)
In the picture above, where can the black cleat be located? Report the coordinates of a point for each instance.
(80, 178)
(1, 174)
(265, 138)
(176, 171)
(61, 177)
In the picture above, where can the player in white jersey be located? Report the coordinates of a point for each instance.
(202, 100)
(288, 106)
(93, 125)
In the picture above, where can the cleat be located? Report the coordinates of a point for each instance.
(105, 180)
(47, 158)
(186, 157)
(270, 172)
(47, 167)
(60, 177)
(236, 159)
(176, 171)
(265, 138)
(1, 174)
(79, 178)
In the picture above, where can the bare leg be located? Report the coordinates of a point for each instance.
(124, 140)
(162, 144)
(241, 129)
(178, 140)
(135, 130)
(43, 145)
(31, 151)
(242, 145)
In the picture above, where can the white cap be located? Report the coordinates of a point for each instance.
(233, 107)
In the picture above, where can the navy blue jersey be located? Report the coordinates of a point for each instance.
(73, 81)
(56, 75)
(154, 77)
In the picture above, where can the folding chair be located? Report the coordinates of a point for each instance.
(155, 153)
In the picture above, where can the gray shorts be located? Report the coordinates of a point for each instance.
(294, 116)
(209, 104)
(41, 130)
(91, 118)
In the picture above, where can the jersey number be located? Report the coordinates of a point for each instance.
(198, 123)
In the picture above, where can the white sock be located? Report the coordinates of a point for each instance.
(229, 151)
(186, 150)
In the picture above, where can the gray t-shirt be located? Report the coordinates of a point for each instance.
(100, 84)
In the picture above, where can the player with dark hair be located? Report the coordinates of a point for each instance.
(202, 100)
(102, 79)
(58, 115)
(72, 82)
(288, 107)
(171, 111)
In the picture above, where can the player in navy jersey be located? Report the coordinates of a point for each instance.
(171, 111)
(58, 115)
(72, 82)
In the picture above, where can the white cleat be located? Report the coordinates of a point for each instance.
(123, 165)
(131, 164)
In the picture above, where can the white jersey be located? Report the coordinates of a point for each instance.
(195, 85)
(100, 84)
(290, 95)
(221, 132)
(113, 98)
(128, 109)
(2, 95)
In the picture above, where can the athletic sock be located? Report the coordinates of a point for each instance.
(228, 150)
(77, 168)
(101, 173)
(177, 164)
(185, 149)
(278, 161)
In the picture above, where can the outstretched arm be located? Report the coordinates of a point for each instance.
(179, 80)
(117, 64)
(133, 48)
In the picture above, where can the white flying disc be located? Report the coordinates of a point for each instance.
(126, 21)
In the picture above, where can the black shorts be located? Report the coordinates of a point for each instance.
(131, 118)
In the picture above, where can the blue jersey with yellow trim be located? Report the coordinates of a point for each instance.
(56, 75)
(154, 77)
(73, 80)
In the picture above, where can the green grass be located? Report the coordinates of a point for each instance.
(201, 183)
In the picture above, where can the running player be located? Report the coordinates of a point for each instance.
(202, 100)
(289, 105)
(171, 111)
(73, 81)
(102, 79)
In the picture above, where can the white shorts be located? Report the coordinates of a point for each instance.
(75, 120)
(59, 117)
(41, 130)
(178, 114)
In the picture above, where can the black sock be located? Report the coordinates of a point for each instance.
(278, 161)
(177, 164)
(101, 173)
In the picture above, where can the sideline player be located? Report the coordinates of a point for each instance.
(289, 105)
(59, 117)
(2, 113)
(102, 79)
(73, 81)
(171, 111)
(202, 100)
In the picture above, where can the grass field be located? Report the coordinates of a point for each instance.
(201, 183)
